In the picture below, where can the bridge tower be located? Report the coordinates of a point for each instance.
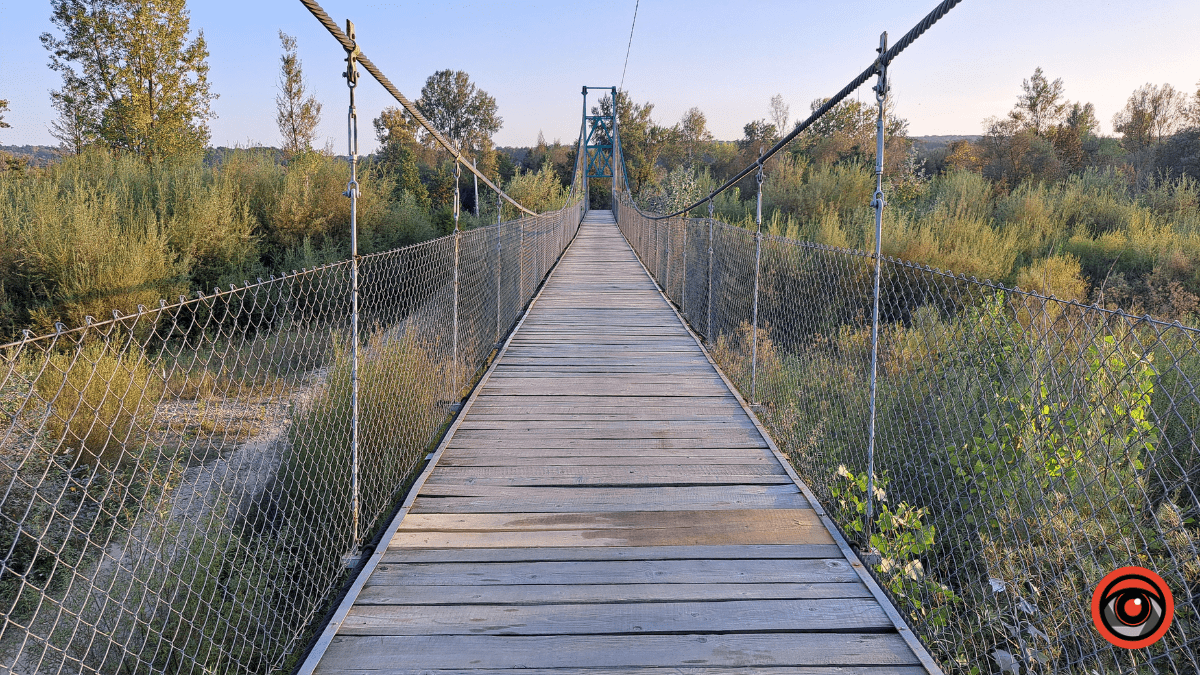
(599, 134)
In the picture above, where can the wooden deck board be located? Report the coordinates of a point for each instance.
(606, 505)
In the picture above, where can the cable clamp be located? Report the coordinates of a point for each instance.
(881, 88)
(352, 54)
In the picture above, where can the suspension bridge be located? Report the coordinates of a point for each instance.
(603, 441)
(606, 501)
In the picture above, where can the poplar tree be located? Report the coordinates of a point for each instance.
(463, 113)
(296, 114)
(132, 78)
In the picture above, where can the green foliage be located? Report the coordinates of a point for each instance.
(466, 115)
(900, 537)
(296, 115)
(540, 191)
(132, 80)
(399, 389)
(98, 232)
(1038, 439)
(101, 398)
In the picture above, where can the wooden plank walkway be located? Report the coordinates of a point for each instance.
(605, 504)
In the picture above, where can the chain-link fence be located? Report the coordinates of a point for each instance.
(1026, 446)
(176, 484)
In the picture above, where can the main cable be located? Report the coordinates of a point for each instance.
(350, 45)
(628, 47)
(882, 61)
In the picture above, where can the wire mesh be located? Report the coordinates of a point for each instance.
(175, 484)
(1027, 446)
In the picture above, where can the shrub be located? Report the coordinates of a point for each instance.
(399, 389)
(538, 191)
(101, 399)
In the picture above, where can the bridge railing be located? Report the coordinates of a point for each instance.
(175, 484)
(1027, 446)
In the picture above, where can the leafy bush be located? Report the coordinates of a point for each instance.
(539, 191)
(399, 389)
(101, 399)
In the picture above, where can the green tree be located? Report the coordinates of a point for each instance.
(132, 79)
(1152, 113)
(779, 113)
(693, 134)
(459, 110)
(3, 109)
(757, 136)
(1069, 138)
(642, 140)
(397, 152)
(847, 132)
(1040, 107)
(296, 114)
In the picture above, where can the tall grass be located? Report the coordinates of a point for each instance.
(101, 398)
(400, 385)
(101, 231)
(1091, 237)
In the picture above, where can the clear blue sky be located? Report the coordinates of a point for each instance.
(727, 58)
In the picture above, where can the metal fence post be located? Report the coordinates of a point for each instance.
(881, 97)
(351, 76)
(475, 165)
(499, 261)
(583, 179)
(683, 274)
(708, 304)
(757, 270)
(457, 249)
(667, 275)
(657, 251)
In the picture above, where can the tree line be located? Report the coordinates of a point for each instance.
(1042, 198)
(139, 207)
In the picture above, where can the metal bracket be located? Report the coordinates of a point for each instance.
(352, 55)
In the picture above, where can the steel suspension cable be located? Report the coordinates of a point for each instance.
(883, 61)
(351, 46)
(629, 46)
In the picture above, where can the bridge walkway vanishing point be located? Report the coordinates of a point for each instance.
(606, 502)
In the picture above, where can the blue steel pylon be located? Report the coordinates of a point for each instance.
(599, 140)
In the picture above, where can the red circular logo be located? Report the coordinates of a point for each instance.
(1132, 607)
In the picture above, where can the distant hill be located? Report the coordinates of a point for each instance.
(36, 155)
(929, 143)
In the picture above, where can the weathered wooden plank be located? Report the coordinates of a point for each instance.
(616, 651)
(823, 615)
(703, 428)
(667, 446)
(503, 499)
(484, 459)
(547, 554)
(396, 669)
(828, 570)
(582, 593)
(680, 471)
(628, 528)
(613, 479)
(596, 401)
